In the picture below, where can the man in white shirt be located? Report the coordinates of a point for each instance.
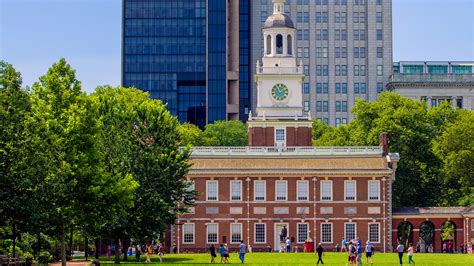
(288, 245)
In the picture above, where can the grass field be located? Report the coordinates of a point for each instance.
(308, 259)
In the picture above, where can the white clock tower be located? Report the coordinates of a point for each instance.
(279, 78)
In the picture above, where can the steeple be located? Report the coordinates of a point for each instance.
(279, 118)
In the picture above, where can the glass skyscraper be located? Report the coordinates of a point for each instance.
(186, 53)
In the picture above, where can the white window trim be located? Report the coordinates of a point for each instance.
(355, 190)
(321, 233)
(264, 190)
(298, 191)
(255, 233)
(275, 137)
(207, 233)
(321, 190)
(472, 225)
(207, 190)
(355, 231)
(276, 190)
(241, 232)
(194, 234)
(368, 230)
(297, 232)
(241, 188)
(368, 189)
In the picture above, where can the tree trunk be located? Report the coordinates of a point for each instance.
(126, 245)
(63, 245)
(117, 251)
(14, 240)
(96, 248)
(70, 241)
(86, 249)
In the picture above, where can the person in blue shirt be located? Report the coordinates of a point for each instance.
(242, 250)
(359, 252)
(222, 252)
(343, 245)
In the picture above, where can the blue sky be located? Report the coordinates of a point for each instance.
(36, 33)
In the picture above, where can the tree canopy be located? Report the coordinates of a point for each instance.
(414, 131)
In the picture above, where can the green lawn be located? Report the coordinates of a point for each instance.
(309, 259)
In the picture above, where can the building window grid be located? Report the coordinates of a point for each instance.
(212, 233)
(302, 189)
(326, 233)
(306, 106)
(260, 233)
(236, 190)
(350, 190)
(188, 233)
(374, 232)
(281, 193)
(306, 88)
(212, 190)
(235, 233)
(350, 231)
(259, 190)
(374, 190)
(302, 233)
(326, 190)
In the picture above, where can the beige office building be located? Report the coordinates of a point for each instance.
(435, 82)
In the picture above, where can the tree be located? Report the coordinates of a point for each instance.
(140, 139)
(455, 148)
(191, 135)
(226, 133)
(14, 180)
(411, 127)
(71, 186)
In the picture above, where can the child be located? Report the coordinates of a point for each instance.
(410, 254)
(160, 252)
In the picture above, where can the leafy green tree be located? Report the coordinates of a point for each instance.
(455, 148)
(190, 135)
(72, 186)
(140, 139)
(226, 133)
(447, 231)
(411, 127)
(15, 184)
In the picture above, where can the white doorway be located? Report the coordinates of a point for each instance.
(277, 235)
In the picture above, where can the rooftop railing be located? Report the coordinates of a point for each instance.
(280, 70)
(289, 151)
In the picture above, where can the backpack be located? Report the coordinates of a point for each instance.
(353, 249)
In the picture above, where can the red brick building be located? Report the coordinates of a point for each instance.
(323, 194)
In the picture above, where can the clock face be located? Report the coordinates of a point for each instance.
(279, 92)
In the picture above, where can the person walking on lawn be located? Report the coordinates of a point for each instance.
(243, 249)
(320, 251)
(410, 254)
(400, 249)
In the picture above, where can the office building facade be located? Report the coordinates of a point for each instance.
(345, 47)
(188, 53)
(435, 82)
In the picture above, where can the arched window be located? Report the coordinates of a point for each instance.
(279, 44)
(269, 44)
(289, 44)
